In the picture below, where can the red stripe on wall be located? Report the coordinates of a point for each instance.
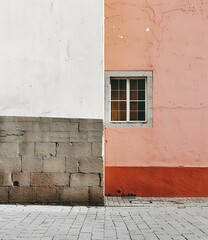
(156, 181)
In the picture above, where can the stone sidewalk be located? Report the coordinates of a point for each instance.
(121, 218)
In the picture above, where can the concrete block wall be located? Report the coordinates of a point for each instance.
(51, 160)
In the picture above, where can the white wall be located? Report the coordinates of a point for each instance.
(51, 58)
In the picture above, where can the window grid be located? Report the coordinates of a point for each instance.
(141, 97)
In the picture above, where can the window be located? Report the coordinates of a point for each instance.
(128, 99)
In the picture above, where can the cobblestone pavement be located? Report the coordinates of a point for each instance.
(122, 218)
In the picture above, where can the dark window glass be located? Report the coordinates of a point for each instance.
(141, 84)
(133, 85)
(133, 106)
(133, 95)
(141, 106)
(141, 116)
(122, 95)
(114, 116)
(123, 106)
(122, 116)
(133, 116)
(114, 95)
(122, 84)
(114, 84)
(141, 95)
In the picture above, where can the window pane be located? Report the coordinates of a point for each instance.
(133, 116)
(141, 95)
(122, 95)
(133, 95)
(114, 106)
(141, 116)
(133, 84)
(141, 106)
(114, 95)
(122, 106)
(122, 116)
(141, 84)
(122, 84)
(114, 115)
(133, 106)
(114, 84)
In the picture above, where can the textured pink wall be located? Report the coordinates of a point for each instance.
(170, 38)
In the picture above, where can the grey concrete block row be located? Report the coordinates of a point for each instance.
(50, 137)
(51, 179)
(29, 164)
(20, 179)
(78, 149)
(62, 195)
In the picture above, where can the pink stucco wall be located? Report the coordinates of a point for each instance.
(170, 38)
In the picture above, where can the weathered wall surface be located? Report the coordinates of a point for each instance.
(51, 160)
(169, 38)
(51, 60)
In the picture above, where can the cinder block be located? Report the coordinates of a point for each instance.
(96, 195)
(45, 149)
(34, 136)
(9, 165)
(60, 179)
(23, 179)
(47, 195)
(97, 149)
(72, 165)
(47, 137)
(74, 149)
(22, 195)
(63, 126)
(5, 179)
(95, 137)
(90, 126)
(40, 179)
(4, 195)
(8, 119)
(9, 127)
(26, 149)
(31, 164)
(8, 150)
(78, 137)
(57, 137)
(91, 165)
(33, 126)
(13, 127)
(54, 164)
(74, 195)
(11, 138)
(84, 180)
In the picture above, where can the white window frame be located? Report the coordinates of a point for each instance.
(128, 75)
